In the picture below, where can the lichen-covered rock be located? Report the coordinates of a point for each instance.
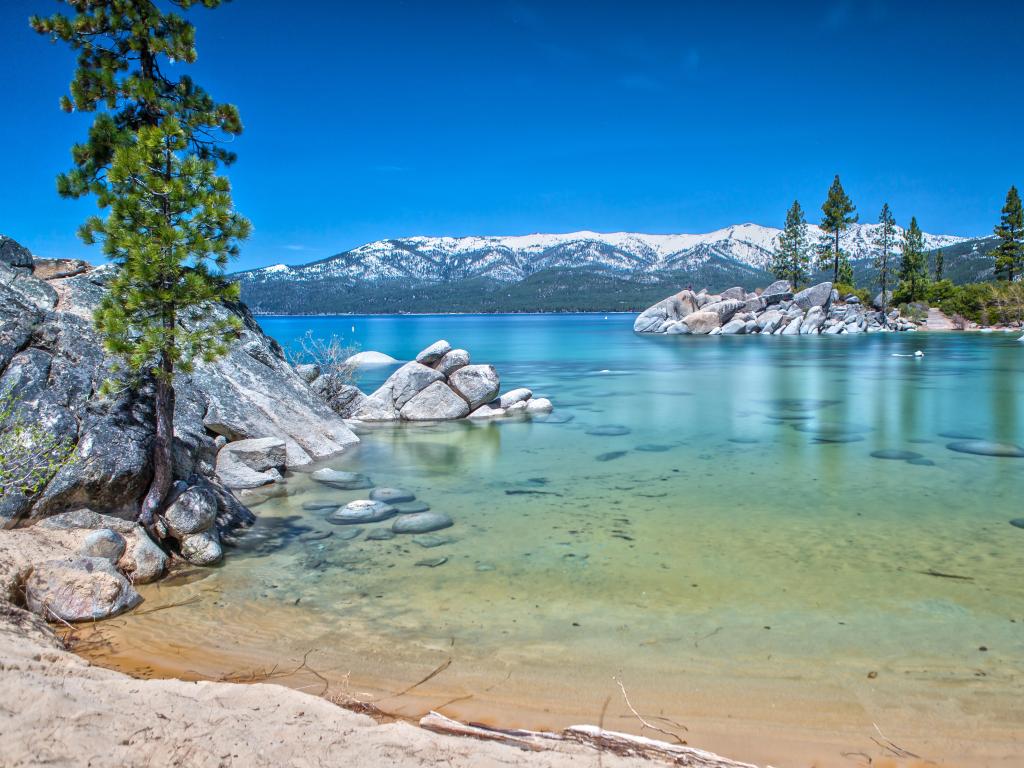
(476, 384)
(79, 589)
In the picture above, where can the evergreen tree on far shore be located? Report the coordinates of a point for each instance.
(838, 213)
(150, 158)
(792, 258)
(885, 241)
(913, 263)
(940, 264)
(1010, 231)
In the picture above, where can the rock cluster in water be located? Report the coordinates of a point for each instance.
(776, 311)
(439, 385)
(400, 507)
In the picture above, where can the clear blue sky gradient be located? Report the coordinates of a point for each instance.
(387, 119)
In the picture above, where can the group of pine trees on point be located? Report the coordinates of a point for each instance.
(793, 258)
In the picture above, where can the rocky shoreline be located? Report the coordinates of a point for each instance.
(774, 311)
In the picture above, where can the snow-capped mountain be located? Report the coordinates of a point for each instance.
(513, 259)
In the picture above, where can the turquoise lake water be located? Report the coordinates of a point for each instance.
(701, 518)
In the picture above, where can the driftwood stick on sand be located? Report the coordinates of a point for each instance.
(611, 741)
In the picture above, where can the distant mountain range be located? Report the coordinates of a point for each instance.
(571, 272)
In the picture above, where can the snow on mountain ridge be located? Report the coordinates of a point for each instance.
(513, 258)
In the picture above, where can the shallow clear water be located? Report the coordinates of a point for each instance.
(736, 556)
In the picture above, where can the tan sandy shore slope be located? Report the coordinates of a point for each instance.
(57, 709)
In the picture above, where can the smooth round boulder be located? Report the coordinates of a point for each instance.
(476, 384)
(192, 512)
(104, 543)
(370, 357)
(435, 403)
(987, 448)
(513, 396)
(79, 589)
(539, 405)
(392, 495)
(452, 361)
(1017, 522)
(202, 548)
(421, 522)
(361, 511)
(345, 481)
(434, 352)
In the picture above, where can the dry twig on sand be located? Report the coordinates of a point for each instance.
(645, 723)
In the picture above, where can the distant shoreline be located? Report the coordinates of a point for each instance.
(437, 314)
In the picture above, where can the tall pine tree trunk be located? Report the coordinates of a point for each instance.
(835, 263)
(163, 464)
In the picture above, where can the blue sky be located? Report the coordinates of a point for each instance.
(387, 119)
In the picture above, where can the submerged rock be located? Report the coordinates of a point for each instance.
(611, 455)
(410, 507)
(430, 541)
(896, 455)
(432, 562)
(380, 534)
(421, 522)
(608, 430)
(987, 448)
(345, 481)
(361, 511)
(392, 495)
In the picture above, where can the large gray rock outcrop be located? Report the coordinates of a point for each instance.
(669, 310)
(819, 295)
(53, 360)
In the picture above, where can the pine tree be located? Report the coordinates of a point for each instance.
(838, 214)
(940, 263)
(792, 258)
(913, 263)
(150, 157)
(885, 241)
(1010, 231)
